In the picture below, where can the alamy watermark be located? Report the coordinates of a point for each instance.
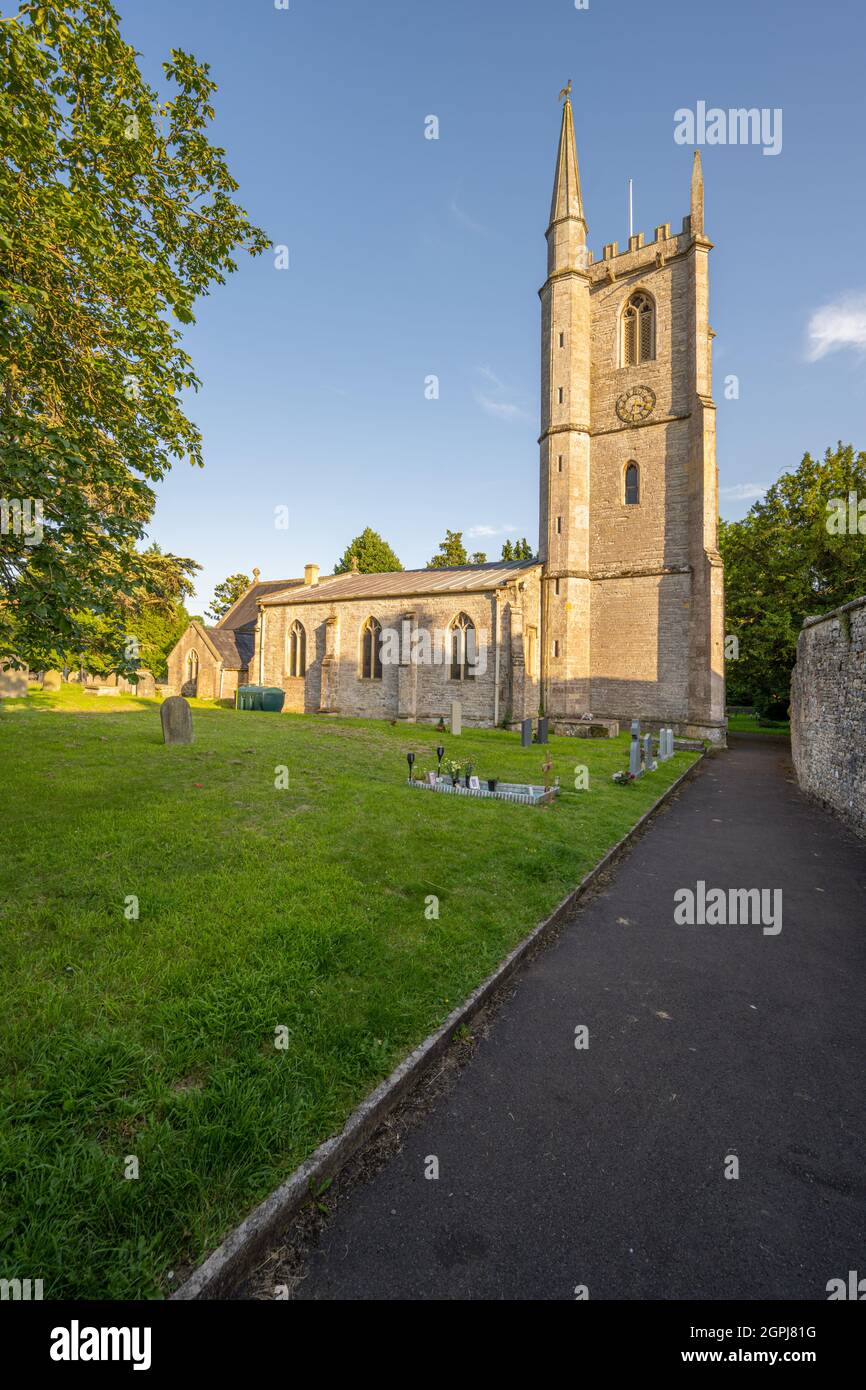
(717, 907)
(736, 126)
(419, 646)
(21, 1290)
(22, 518)
(846, 516)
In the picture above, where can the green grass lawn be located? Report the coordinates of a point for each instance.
(258, 908)
(753, 724)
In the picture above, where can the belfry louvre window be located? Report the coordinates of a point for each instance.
(632, 484)
(463, 648)
(371, 650)
(297, 650)
(638, 331)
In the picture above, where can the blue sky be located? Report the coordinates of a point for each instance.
(411, 257)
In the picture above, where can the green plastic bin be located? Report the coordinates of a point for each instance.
(273, 699)
(249, 696)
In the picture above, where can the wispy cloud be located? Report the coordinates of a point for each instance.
(484, 532)
(742, 492)
(490, 375)
(494, 399)
(841, 324)
(464, 219)
(504, 409)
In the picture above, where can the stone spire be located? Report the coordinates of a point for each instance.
(697, 200)
(567, 201)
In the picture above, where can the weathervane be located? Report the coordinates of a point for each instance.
(566, 92)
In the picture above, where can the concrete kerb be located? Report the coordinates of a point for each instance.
(247, 1244)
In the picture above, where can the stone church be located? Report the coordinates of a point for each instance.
(622, 613)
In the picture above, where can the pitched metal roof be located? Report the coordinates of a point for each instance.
(244, 614)
(400, 583)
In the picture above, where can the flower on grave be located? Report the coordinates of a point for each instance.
(622, 779)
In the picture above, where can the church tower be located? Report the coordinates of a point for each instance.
(632, 591)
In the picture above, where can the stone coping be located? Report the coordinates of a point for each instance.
(834, 612)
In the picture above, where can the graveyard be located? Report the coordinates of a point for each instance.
(213, 951)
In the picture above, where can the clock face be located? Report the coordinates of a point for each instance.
(636, 405)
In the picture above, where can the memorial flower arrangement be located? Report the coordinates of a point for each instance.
(453, 770)
(622, 779)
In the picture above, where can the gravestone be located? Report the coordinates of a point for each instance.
(52, 680)
(542, 729)
(146, 684)
(176, 717)
(13, 684)
(526, 733)
(456, 718)
(634, 764)
(648, 761)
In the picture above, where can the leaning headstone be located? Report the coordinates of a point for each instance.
(648, 761)
(456, 718)
(176, 717)
(526, 733)
(542, 729)
(52, 680)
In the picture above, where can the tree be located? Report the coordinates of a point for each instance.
(794, 554)
(478, 558)
(517, 550)
(143, 626)
(451, 552)
(116, 213)
(370, 552)
(226, 595)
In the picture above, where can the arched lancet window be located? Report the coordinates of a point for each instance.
(192, 666)
(297, 650)
(371, 650)
(463, 652)
(638, 331)
(632, 484)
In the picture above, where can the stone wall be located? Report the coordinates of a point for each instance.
(828, 711)
(422, 691)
